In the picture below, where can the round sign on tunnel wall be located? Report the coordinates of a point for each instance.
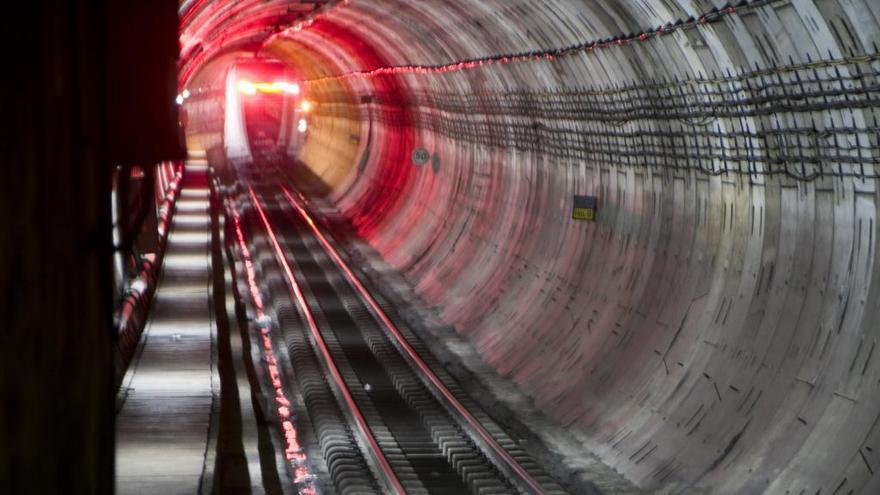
(420, 156)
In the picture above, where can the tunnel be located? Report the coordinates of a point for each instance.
(638, 234)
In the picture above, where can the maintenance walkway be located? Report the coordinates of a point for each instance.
(170, 410)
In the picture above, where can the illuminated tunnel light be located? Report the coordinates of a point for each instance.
(303, 125)
(306, 106)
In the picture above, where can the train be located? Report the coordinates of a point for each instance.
(266, 111)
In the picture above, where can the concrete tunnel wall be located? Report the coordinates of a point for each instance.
(715, 329)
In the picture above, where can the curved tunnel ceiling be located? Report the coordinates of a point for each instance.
(714, 330)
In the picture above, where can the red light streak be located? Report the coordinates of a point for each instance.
(296, 292)
(427, 372)
(293, 451)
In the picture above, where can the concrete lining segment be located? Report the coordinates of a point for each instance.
(559, 451)
(669, 334)
(706, 334)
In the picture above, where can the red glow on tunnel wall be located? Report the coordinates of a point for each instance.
(384, 194)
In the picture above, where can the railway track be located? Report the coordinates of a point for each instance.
(383, 416)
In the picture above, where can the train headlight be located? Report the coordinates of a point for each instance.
(285, 87)
(247, 87)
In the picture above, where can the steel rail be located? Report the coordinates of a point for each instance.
(390, 477)
(520, 472)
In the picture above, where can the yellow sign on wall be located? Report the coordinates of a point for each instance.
(584, 208)
(583, 214)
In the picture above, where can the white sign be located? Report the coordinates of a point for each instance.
(421, 156)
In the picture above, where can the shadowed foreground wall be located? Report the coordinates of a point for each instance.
(56, 417)
(56, 163)
(715, 329)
